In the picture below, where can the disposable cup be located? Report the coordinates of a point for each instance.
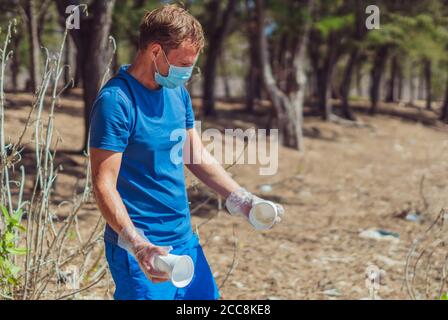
(179, 267)
(263, 215)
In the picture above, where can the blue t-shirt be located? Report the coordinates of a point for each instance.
(149, 128)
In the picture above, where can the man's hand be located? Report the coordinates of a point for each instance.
(241, 201)
(144, 254)
(134, 241)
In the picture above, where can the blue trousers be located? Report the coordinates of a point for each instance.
(132, 284)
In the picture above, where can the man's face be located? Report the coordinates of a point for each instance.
(183, 56)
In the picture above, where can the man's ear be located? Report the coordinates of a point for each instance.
(153, 50)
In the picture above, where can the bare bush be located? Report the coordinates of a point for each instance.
(39, 259)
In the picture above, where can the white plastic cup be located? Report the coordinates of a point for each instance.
(263, 215)
(179, 268)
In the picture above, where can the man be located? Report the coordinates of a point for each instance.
(139, 189)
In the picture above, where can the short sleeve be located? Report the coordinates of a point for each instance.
(110, 123)
(189, 115)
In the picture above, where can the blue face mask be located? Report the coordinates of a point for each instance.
(176, 77)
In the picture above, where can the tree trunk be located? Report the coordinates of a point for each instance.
(400, 83)
(420, 87)
(78, 68)
(324, 93)
(253, 77)
(67, 61)
(353, 63)
(250, 87)
(42, 13)
(225, 76)
(346, 84)
(15, 64)
(96, 60)
(280, 63)
(91, 41)
(428, 75)
(376, 76)
(444, 115)
(209, 82)
(359, 79)
(218, 30)
(297, 91)
(391, 94)
(288, 108)
(411, 84)
(34, 48)
(323, 68)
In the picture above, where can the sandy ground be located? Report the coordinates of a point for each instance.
(349, 179)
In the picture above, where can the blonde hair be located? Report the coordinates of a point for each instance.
(169, 26)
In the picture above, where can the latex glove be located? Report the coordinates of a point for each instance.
(240, 202)
(134, 241)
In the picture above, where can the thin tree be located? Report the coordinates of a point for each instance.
(328, 42)
(216, 29)
(353, 61)
(392, 92)
(288, 107)
(427, 65)
(377, 71)
(253, 79)
(444, 114)
(32, 19)
(91, 40)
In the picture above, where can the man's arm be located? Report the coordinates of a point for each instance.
(204, 166)
(105, 168)
(207, 169)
